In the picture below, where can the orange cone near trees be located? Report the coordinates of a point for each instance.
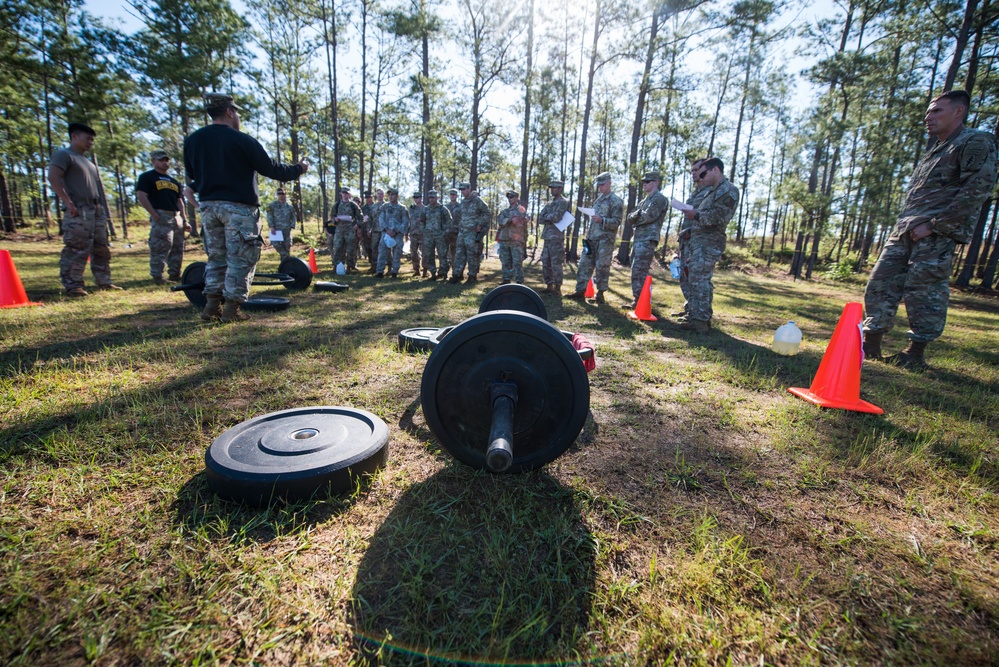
(643, 309)
(590, 292)
(837, 382)
(12, 294)
(312, 261)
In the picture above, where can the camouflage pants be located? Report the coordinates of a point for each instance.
(283, 247)
(511, 256)
(417, 252)
(467, 250)
(452, 246)
(552, 260)
(342, 248)
(232, 243)
(642, 254)
(166, 243)
(684, 253)
(385, 252)
(85, 235)
(916, 272)
(599, 258)
(354, 250)
(700, 268)
(436, 248)
(376, 239)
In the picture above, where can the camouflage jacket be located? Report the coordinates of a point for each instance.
(393, 217)
(511, 225)
(949, 184)
(371, 210)
(436, 220)
(610, 208)
(550, 214)
(475, 215)
(647, 219)
(455, 211)
(417, 218)
(716, 207)
(281, 216)
(344, 208)
(693, 200)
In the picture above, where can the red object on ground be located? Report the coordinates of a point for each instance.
(643, 309)
(580, 342)
(590, 292)
(312, 261)
(12, 294)
(837, 382)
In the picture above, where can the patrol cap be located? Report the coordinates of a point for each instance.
(281, 191)
(652, 176)
(214, 101)
(453, 191)
(464, 185)
(603, 178)
(392, 191)
(512, 193)
(367, 193)
(432, 193)
(556, 184)
(345, 189)
(158, 155)
(417, 195)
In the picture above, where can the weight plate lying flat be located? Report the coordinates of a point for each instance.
(326, 286)
(514, 297)
(297, 269)
(192, 282)
(295, 454)
(553, 392)
(419, 339)
(266, 303)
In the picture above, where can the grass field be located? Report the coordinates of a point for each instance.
(704, 516)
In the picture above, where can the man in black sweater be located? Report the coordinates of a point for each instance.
(222, 165)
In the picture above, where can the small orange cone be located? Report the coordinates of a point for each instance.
(12, 294)
(837, 382)
(643, 309)
(590, 292)
(312, 260)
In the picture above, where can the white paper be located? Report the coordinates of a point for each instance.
(564, 223)
(276, 236)
(344, 218)
(587, 211)
(680, 206)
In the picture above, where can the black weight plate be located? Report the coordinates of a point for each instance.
(418, 339)
(511, 346)
(295, 454)
(327, 286)
(266, 303)
(297, 269)
(514, 297)
(192, 282)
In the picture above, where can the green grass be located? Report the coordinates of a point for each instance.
(704, 516)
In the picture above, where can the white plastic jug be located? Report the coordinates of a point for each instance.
(787, 340)
(341, 269)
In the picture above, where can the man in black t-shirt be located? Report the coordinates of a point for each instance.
(159, 194)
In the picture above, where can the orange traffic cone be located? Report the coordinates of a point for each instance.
(590, 292)
(837, 382)
(643, 309)
(12, 294)
(312, 261)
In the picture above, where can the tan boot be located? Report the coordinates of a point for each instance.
(911, 358)
(230, 313)
(557, 290)
(600, 297)
(213, 309)
(549, 288)
(872, 345)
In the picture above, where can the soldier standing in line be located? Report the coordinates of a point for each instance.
(474, 220)
(480, 249)
(437, 220)
(222, 164)
(159, 193)
(683, 235)
(454, 208)
(950, 183)
(76, 182)
(416, 223)
(553, 254)
(598, 246)
(346, 220)
(281, 218)
(707, 241)
(366, 211)
(373, 226)
(511, 232)
(393, 220)
(647, 223)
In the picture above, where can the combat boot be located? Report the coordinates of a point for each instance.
(557, 290)
(174, 278)
(911, 358)
(213, 307)
(697, 326)
(160, 280)
(680, 313)
(77, 292)
(549, 288)
(471, 280)
(872, 345)
(504, 282)
(579, 295)
(230, 313)
(600, 297)
(454, 280)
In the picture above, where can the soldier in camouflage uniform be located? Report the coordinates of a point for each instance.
(437, 220)
(393, 220)
(281, 218)
(417, 220)
(76, 182)
(346, 219)
(683, 236)
(553, 254)
(598, 246)
(708, 222)
(511, 233)
(454, 208)
(475, 218)
(945, 195)
(159, 194)
(366, 210)
(647, 222)
(374, 230)
(222, 164)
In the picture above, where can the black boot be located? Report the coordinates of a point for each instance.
(872, 345)
(911, 358)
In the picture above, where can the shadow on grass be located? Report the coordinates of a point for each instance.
(477, 568)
